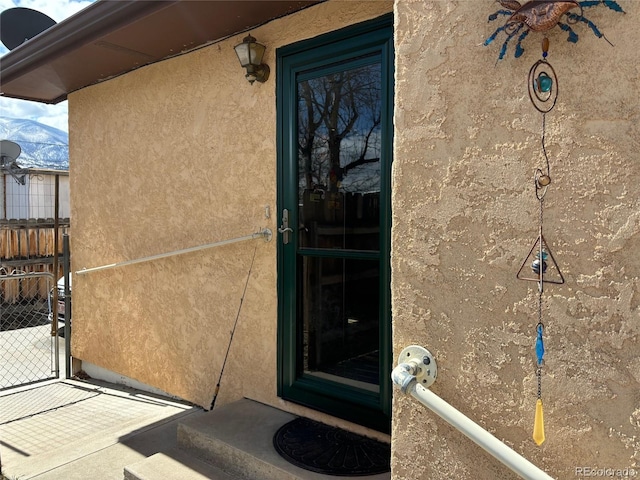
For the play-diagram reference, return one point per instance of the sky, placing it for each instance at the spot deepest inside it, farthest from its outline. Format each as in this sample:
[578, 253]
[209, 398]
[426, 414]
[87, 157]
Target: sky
[52, 115]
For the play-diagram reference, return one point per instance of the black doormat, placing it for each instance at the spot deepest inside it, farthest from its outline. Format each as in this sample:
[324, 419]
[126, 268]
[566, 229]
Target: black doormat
[329, 450]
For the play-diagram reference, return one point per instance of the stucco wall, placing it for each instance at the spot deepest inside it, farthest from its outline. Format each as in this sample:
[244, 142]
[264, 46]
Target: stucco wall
[174, 155]
[467, 143]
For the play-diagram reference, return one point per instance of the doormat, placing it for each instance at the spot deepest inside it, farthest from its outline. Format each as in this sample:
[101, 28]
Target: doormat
[329, 450]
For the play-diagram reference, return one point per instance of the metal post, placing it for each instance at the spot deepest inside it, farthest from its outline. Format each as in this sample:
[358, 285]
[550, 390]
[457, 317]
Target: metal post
[67, 304]
[56, 246]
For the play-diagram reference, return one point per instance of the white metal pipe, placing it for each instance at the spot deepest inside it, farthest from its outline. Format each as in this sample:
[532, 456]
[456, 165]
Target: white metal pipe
[468, 427]
[266, 233]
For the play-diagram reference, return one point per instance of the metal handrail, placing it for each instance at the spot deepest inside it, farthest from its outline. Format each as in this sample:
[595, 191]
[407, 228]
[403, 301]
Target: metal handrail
[416, 371]
[264, 233]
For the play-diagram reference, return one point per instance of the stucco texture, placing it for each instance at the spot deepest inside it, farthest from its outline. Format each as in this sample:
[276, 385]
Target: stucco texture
[465, 214]
[170, 156]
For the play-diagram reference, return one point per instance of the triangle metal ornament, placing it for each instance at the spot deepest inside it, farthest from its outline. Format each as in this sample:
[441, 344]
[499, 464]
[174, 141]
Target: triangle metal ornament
[542, 262]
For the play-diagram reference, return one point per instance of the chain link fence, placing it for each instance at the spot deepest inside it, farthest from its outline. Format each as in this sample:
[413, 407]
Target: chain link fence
[34, 215]
[28, 337]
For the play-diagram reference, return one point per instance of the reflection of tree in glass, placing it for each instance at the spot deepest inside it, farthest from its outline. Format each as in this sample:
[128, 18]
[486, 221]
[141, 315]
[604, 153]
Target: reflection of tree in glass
[339, 130]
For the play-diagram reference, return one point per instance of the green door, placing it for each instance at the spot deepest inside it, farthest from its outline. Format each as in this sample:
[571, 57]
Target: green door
[335, 145]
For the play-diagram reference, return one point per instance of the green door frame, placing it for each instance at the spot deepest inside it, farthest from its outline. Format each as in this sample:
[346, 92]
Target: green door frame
[374, 37]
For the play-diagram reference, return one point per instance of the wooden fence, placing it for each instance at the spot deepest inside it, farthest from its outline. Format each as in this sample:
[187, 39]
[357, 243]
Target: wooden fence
[29, 248]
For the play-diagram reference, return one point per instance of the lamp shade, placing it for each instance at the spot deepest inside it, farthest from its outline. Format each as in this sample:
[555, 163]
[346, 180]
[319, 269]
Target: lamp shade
[249, 52]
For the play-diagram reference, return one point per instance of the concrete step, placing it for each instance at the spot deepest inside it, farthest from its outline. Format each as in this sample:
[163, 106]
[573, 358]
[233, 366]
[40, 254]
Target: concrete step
[238, 438]
[174, 464]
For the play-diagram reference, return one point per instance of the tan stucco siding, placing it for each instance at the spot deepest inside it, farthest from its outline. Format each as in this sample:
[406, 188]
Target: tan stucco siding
[174, 155]
[467, 143]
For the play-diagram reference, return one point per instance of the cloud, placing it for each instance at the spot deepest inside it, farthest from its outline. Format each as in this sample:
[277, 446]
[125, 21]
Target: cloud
[53, 115]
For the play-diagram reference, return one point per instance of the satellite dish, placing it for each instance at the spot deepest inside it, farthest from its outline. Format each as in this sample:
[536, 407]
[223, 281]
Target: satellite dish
[9, 152]
[17, 25]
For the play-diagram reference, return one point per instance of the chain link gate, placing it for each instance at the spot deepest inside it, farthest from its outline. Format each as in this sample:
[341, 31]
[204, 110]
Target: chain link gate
[28, 338]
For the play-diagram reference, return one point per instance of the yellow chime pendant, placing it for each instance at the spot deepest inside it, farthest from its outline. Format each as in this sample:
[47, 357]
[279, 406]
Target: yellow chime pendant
[538, 424]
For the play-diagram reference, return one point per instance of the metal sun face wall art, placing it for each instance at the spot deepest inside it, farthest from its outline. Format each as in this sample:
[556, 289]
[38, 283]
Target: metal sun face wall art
[543, 15]
[542, 84]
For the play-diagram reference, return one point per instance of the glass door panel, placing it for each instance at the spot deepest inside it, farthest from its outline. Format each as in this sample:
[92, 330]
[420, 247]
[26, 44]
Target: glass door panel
[339, 141]
[338, 194]
[340, 308]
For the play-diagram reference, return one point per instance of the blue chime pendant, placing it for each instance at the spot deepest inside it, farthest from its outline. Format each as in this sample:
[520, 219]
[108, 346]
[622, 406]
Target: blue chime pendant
[544, 83]
[540, 344]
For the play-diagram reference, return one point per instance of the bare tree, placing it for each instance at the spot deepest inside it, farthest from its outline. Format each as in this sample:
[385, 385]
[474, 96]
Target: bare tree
[339, 115]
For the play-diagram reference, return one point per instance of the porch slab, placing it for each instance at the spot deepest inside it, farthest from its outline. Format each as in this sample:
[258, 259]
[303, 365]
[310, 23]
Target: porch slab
[174, 463]
[238, 438]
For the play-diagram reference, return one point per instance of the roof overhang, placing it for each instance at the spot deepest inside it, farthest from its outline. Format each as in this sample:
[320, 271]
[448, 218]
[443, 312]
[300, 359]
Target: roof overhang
[110, 38]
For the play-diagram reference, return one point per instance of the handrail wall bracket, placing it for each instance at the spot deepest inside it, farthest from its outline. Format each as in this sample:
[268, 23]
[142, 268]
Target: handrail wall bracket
[415, 364]
[416, 371]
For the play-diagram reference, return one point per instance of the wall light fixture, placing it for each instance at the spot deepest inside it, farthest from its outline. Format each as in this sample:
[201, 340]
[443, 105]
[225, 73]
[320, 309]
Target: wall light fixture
[250, 54]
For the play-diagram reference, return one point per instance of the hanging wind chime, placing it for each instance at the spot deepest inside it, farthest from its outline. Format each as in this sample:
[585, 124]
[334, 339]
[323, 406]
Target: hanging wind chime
[543, 92]
[540, 265]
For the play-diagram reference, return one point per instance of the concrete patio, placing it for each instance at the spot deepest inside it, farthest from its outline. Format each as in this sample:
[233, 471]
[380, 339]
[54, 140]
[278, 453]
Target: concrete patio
[76, 430]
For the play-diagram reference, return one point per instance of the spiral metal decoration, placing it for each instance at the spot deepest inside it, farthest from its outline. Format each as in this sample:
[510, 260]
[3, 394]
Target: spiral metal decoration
[543, 86]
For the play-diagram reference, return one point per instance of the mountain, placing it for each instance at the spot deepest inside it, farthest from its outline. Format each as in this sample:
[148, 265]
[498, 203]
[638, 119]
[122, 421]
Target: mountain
[42, 146]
